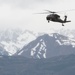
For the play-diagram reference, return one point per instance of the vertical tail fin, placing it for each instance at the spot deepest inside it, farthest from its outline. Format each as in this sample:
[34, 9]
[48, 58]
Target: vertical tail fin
[65, 18]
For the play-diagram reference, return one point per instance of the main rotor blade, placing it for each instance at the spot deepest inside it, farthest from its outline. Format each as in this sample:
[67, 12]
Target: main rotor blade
[66, 10]
[50, 11]
[60, 11]
[42, 13]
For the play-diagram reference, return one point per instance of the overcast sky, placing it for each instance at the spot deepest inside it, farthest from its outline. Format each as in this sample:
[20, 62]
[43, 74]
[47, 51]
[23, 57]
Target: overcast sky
[20, 14]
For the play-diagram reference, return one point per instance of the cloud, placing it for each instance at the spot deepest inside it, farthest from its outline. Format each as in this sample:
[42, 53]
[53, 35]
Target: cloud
[35, 3]
[19, 13]
[25, 3]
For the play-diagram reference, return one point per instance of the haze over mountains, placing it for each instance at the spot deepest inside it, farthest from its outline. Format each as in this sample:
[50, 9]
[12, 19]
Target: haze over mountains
[61, 65]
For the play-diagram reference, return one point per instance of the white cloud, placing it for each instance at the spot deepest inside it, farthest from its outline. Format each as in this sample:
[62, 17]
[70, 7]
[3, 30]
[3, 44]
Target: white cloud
[19, 13]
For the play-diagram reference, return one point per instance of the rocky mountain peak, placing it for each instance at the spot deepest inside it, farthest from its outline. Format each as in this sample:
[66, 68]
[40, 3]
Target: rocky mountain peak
[47, 46]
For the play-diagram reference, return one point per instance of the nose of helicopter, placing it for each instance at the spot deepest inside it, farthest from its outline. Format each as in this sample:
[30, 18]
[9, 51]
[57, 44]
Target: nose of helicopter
[47, 18]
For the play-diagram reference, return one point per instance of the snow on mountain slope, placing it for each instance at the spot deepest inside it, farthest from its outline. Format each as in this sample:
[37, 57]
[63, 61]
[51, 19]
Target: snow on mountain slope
[46, 46]
[25, 38]
[41, 49]
[14, 40]
[3, 51]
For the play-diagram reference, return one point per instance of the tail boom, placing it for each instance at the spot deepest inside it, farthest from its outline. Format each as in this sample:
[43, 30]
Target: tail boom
[66, 21]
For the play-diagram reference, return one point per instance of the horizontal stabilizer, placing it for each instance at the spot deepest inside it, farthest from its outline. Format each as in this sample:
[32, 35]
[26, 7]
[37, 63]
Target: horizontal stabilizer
[68, 21]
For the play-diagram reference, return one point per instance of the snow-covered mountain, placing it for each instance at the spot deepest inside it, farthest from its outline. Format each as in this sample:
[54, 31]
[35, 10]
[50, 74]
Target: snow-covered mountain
[47, 46]
[36, 45]
[13, 40]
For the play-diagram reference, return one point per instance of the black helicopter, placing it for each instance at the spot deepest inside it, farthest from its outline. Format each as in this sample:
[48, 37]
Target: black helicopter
[56, 18]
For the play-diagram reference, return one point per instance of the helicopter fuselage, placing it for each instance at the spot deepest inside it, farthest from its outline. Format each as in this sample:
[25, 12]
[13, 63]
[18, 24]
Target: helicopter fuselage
[56, 18]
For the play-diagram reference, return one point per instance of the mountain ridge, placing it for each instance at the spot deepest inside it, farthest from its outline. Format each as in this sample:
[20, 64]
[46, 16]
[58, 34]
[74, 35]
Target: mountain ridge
[47, 46]
[15, 40]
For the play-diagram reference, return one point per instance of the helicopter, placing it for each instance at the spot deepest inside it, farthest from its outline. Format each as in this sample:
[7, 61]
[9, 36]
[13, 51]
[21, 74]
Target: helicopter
[56, 18]
[53, 16]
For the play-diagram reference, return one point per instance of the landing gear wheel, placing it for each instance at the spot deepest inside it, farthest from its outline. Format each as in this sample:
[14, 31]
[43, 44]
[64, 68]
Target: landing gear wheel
[48, 21]
[62, 24]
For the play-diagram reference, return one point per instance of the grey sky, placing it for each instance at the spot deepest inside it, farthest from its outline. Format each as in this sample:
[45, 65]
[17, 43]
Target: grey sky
[24, 3]
[19, 13]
